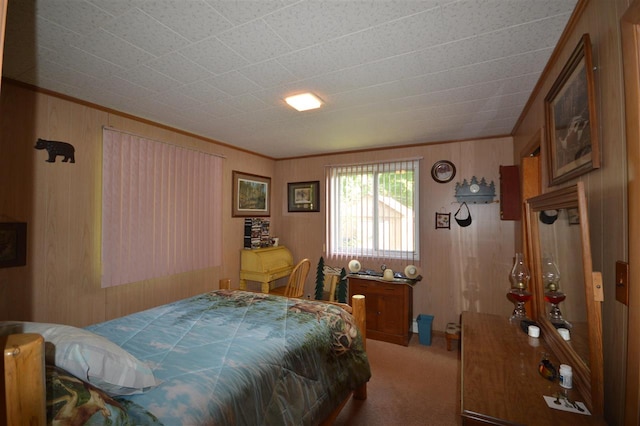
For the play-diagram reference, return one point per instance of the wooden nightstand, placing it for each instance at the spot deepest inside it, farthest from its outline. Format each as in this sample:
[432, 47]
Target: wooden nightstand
[389, 308]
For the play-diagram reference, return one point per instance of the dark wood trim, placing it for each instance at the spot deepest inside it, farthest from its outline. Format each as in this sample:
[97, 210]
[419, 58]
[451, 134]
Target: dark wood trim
[630, 34]
[387, 148]
[3, 25]
[36, 89]
[534, 145]
[215, 142]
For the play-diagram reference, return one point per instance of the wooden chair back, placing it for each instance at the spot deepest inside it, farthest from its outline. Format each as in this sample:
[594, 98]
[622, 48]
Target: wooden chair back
[330, 284]
[295, 284]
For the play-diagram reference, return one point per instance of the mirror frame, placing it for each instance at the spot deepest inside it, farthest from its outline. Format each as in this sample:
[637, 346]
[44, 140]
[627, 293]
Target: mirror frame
[587, 379]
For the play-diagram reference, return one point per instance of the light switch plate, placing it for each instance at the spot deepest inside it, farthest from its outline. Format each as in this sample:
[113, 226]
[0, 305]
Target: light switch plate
[622, 282]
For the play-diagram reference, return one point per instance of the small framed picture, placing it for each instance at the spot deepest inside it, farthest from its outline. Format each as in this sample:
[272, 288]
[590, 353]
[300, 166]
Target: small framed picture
[574, 216]
[13, 244]
[304, 196]
[443, 220]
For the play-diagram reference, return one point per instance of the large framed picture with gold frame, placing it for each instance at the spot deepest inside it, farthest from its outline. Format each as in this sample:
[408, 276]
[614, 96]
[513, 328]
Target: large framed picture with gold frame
[251, 195]
[571, 119]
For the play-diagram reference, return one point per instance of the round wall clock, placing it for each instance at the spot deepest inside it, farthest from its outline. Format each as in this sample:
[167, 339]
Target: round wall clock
[443, 171]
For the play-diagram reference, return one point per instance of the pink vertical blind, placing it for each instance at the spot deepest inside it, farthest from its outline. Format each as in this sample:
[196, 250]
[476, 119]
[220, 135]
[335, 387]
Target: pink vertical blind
[161, 209]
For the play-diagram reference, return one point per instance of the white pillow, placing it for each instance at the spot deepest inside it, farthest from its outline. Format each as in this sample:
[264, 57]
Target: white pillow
[89, 357]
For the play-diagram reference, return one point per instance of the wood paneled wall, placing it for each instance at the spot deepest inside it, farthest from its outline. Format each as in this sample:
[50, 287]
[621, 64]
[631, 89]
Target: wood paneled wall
[606, 187]
[462, 268]
[61, 202]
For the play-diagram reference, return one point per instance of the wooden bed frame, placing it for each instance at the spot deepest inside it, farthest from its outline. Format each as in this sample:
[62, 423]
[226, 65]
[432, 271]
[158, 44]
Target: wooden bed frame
[22, 386]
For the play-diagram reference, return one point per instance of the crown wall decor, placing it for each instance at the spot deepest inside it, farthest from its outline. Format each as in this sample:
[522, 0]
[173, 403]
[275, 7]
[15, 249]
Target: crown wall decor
[474, 191]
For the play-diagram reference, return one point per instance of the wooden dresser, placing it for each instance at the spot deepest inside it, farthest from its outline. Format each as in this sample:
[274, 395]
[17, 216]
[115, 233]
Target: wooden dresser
[500, 380]
[264, 265]
[389, 308]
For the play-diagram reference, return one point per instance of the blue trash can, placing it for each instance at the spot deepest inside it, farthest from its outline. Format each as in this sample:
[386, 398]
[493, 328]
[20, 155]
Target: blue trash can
[424, 329]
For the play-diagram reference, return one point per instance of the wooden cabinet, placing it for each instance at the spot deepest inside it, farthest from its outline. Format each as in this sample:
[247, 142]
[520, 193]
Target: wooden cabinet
[500, 380]
[389, 308]
[510, 202]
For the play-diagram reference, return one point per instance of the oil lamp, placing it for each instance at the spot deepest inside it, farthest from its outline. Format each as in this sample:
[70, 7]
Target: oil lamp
[552, 293]
[518, 292]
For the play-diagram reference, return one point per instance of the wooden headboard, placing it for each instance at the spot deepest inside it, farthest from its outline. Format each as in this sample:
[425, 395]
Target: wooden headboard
[23, 387]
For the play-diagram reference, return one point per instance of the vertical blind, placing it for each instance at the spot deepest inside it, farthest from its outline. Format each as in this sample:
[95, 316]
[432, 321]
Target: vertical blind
[161, 209]
[373, 210]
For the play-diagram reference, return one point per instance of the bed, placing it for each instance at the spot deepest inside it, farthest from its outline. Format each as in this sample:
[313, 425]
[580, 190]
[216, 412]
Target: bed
[224, 357]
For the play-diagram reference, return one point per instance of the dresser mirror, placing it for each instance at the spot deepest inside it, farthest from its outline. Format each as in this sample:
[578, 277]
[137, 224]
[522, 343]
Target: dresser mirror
[567, 293]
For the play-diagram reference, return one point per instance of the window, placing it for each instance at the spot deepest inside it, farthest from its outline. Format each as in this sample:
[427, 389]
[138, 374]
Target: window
[373, 210]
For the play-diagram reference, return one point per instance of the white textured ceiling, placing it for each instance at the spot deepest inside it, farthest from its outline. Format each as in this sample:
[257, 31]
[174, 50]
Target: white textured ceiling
[391, 72]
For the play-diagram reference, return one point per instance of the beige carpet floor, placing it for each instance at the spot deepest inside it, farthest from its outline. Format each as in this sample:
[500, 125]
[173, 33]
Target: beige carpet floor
[414, 385]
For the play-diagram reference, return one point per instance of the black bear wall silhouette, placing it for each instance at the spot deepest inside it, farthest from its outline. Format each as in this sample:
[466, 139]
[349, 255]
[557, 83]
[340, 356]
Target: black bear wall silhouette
[55, 148]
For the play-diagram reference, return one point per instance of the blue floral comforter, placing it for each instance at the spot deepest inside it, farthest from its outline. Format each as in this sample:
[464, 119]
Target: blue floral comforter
[234, 358]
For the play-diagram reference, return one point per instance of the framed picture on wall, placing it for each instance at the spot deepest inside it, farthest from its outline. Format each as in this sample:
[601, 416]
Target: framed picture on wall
[574, 216]
[571, 119]
[304, 196]
[13, 244]
[443, 220]
[251, 195]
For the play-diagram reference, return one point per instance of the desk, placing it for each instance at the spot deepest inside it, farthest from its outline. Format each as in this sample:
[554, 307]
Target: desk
[265, 266]
[500, 380]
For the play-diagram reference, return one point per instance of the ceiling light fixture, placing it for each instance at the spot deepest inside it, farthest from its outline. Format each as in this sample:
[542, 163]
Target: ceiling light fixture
[304, 101]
